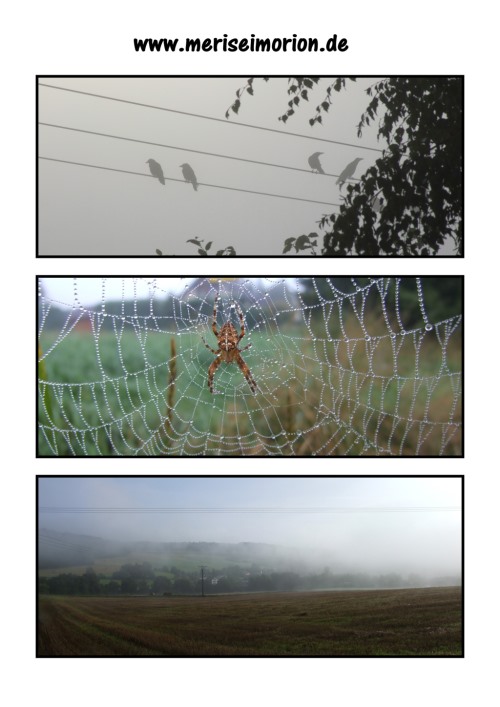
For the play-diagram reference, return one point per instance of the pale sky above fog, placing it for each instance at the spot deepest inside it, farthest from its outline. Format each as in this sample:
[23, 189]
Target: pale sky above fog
[86, 211]
[92, 290]
[428, 541]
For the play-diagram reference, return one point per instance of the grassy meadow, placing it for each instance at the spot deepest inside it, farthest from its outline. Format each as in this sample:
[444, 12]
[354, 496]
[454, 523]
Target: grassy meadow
[397, 622]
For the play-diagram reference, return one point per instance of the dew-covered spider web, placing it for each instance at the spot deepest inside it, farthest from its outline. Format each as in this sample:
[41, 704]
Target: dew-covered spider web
[362, 366]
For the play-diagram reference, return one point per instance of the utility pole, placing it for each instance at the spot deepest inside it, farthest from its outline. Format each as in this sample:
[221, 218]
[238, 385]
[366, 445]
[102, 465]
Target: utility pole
[202, 581]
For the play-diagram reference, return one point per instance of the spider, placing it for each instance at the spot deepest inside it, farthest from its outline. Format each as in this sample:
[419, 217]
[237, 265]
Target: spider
[228, 351]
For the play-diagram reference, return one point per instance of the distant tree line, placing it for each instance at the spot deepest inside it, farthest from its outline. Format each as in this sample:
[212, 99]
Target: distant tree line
[141, 579]
[442, 296]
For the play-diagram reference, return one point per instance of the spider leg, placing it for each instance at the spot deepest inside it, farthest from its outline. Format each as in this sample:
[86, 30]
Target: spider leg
[246, 372]
[242, 322]
[216, 353]
[246, 347]
[211, 372]
[214, 321]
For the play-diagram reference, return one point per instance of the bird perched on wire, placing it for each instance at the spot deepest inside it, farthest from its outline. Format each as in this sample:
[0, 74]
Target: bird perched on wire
[315, 164]
[189, 175]
[156, 170]
[348, 171]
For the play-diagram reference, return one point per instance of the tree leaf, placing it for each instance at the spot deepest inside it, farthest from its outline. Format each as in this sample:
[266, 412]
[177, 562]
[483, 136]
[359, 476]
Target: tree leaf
[302, 243]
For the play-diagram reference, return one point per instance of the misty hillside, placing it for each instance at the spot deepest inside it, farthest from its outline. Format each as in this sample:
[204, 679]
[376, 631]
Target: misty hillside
[98, 566]
[61, 549]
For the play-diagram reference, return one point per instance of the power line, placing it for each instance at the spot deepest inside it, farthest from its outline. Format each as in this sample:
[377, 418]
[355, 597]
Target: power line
[187, 149]
[202, 184]
[243, 510]
[208, 117]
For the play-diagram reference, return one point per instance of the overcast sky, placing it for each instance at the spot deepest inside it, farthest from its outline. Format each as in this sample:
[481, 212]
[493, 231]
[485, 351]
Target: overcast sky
[376, 540]
[92, 290]
[88, 211]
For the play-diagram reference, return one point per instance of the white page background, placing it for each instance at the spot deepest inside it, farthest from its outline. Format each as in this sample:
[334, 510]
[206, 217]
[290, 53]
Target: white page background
[384, 38]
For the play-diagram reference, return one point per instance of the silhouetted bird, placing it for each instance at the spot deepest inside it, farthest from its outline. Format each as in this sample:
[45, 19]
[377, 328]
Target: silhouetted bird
[189, 175]
[315, 164]
[348, 172]
[156, 170]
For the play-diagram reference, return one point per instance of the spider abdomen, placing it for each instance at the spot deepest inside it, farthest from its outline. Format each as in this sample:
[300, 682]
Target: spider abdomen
[228, 337]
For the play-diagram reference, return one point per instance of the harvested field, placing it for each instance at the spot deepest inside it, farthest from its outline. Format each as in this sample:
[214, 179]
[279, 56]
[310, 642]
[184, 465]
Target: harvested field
[398, 622]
